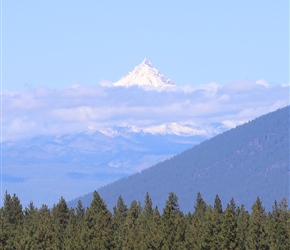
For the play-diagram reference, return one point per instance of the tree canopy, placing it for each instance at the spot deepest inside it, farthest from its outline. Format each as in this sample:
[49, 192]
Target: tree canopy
[143, 227]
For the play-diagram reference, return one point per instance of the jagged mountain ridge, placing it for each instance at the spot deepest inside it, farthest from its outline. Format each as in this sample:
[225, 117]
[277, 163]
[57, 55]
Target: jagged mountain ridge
[243, 163]
[144, 74]
[173, 128]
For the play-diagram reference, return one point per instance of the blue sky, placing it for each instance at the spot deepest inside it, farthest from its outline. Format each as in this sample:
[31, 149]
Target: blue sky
[58, 43]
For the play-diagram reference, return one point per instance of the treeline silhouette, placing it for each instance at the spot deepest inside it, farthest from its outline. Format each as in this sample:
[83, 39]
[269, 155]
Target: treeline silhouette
[143, 227]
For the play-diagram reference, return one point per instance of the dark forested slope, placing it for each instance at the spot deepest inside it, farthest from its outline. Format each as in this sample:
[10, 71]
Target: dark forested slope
[243, 163]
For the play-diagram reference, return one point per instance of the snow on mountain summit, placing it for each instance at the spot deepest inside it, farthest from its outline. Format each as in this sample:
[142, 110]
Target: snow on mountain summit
[144, 75]
[181, 129]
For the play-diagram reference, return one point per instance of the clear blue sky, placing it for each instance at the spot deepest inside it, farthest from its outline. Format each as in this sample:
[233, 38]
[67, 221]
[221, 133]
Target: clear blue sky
[56, 43]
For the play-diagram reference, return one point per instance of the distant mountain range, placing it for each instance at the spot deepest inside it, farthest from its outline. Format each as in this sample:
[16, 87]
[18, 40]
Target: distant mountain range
[242, 163]
[128, 148]
[92, 158]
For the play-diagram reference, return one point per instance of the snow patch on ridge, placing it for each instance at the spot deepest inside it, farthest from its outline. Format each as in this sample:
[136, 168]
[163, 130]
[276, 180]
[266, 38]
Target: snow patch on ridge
[183, 129]
[176, 129]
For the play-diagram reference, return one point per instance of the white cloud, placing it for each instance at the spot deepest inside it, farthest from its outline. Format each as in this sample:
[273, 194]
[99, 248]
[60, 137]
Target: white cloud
[232, 124]
[286, 85]
[262, 82]
[245, 86]
[105, 83]
[56, 111]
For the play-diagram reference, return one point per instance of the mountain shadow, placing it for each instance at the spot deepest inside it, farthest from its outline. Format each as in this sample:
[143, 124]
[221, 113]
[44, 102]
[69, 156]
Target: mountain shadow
[245, 162]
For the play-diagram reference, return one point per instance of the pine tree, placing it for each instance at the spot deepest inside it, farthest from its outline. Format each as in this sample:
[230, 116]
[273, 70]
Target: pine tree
[218, 205]
[233, 205]
[179, 242]
[6, 233]
[200, 205]
[194, 235]
[148, 210]
[45, 236]
[258, 236]
[98, 230]
[80, 211]
[170, 213]
[12, 222]
[120, 211]
[60, 216]
[29, 226]
[242, 227]
[144, 225]
[132, 223]
[279, 226]
[215, 222]
[229, 230]
[155, 234]
[12, 210]
[119, 218]
[73, 232]
[60, 212]
[206, 239]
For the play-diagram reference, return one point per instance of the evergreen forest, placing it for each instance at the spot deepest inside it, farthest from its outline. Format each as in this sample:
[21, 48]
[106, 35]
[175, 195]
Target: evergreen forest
[144, 227]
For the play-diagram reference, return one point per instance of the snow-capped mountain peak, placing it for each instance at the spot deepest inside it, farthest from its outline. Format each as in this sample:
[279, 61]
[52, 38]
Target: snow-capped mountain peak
[147, 62]
[144, 75]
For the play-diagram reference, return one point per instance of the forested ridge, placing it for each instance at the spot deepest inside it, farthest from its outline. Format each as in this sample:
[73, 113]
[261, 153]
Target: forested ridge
[252, 159]
[144, 227]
